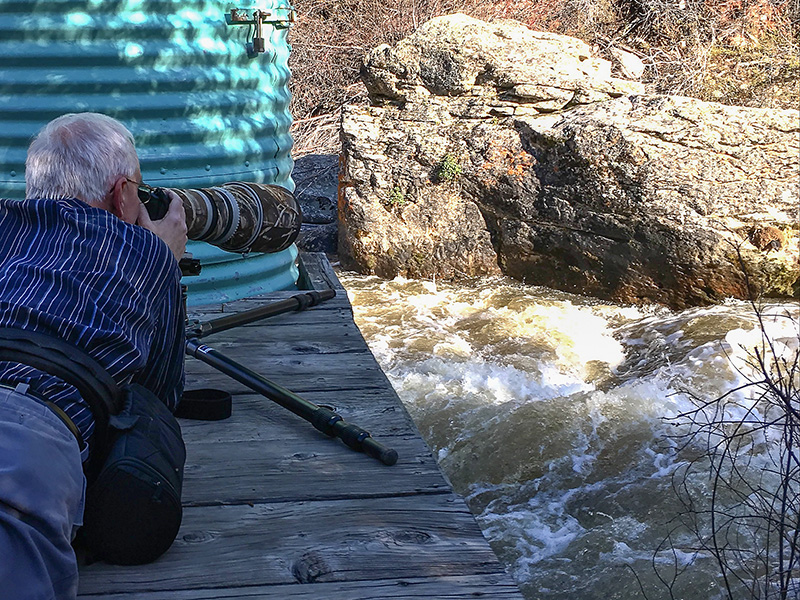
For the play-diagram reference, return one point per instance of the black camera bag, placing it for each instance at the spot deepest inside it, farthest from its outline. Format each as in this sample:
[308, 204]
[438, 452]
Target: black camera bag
[133, 507]
[135, 468]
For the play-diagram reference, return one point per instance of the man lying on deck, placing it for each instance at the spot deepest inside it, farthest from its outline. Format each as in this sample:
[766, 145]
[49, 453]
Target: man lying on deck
[81, 261]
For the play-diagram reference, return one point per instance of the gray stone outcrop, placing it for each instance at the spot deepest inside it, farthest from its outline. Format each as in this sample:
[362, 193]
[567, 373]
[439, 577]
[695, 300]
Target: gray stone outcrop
[492, 148]
[316, 181]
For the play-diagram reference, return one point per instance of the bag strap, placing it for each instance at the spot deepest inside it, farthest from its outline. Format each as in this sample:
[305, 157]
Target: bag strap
[70, 364]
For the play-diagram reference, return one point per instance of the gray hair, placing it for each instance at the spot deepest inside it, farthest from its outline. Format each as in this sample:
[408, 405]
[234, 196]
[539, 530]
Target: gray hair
[79, 156]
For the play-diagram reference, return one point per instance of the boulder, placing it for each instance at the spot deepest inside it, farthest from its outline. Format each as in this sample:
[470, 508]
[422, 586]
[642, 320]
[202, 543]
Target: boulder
[315, 237]
[499, 68]
[493, 148]
[316, 178]
[628, 63]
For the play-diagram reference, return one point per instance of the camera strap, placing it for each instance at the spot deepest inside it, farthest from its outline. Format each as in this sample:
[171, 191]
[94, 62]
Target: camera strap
[74, 367]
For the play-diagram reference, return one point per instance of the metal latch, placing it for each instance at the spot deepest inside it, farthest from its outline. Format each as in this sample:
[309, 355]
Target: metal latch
[279, 17]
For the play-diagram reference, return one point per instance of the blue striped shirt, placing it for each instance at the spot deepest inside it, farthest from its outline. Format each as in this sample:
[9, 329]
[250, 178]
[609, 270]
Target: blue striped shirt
[112, 289]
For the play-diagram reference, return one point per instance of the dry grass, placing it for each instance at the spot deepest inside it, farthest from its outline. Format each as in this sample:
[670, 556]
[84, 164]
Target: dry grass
[330, 38]
[733, 51]
[741, 52]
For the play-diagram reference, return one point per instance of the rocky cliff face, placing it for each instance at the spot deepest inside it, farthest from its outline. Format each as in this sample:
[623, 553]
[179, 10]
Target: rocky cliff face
[493, 148]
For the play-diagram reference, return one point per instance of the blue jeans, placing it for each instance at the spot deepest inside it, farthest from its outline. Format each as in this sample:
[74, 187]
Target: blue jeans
[41, 501]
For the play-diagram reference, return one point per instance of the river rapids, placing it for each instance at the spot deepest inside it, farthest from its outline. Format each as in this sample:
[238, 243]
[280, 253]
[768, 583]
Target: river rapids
[555, 416]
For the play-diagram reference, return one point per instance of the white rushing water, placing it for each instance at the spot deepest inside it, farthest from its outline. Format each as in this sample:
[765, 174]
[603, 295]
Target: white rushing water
[547, 412]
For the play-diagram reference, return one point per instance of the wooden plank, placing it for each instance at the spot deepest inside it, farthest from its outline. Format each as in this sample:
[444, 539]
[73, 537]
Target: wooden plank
[280, 470]
[468, 587]
[212, 311]
[299, 373]
[271, 544]
[285, 339]
[316, 271]
[255, 418]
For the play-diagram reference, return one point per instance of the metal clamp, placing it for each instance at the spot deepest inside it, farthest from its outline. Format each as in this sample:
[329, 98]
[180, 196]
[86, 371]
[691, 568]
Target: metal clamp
[279, 17]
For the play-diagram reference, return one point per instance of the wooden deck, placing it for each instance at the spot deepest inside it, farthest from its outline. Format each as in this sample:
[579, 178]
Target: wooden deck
[275, 509]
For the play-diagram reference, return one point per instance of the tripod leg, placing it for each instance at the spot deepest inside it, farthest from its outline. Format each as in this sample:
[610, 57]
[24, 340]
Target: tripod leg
[324, 419]
[293, 303]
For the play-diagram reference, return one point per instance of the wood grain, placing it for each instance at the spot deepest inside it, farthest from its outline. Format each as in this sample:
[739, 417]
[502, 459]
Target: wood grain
[468, 587]
[308, 542]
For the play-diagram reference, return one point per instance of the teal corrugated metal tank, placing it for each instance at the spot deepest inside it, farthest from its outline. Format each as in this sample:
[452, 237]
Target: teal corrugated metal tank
[179, 77]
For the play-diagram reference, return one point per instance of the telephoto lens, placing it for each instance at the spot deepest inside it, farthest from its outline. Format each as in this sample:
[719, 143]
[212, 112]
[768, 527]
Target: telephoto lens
[237, 216]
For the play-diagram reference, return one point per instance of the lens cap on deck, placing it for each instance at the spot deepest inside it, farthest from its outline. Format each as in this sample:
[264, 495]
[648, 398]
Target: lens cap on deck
[204, 405]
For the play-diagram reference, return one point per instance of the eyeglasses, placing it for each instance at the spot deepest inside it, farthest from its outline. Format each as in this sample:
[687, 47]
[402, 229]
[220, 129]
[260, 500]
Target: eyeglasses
[145, 192]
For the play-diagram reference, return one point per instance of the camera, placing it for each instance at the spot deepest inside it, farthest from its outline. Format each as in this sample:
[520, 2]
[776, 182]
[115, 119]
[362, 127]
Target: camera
[237, 216]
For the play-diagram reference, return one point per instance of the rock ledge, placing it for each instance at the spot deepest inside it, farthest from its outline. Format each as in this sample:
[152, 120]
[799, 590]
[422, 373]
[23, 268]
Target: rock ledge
[493, 148]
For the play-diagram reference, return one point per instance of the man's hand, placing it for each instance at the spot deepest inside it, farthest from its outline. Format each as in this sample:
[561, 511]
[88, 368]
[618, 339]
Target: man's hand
[172, 228]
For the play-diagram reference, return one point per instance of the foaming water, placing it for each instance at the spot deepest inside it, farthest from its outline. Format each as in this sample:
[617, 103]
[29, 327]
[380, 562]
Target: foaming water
[549, 411]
